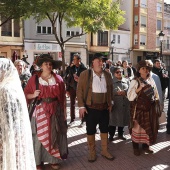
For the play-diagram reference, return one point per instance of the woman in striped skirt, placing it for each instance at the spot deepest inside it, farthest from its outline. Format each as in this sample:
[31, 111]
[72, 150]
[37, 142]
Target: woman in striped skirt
[49, 128]
[142, 93]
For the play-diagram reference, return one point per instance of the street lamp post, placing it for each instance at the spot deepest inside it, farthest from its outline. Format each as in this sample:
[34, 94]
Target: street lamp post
[161, 37]
[112, 47]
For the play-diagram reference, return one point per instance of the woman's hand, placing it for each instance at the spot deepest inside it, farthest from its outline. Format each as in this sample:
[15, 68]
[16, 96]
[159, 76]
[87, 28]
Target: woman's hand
[121, 93]
[36, 93]
[140, 87]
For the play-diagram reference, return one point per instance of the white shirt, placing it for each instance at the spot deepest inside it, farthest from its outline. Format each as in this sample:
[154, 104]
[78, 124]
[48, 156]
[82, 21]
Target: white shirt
[131, 94]
[99, 83]
[51, 81]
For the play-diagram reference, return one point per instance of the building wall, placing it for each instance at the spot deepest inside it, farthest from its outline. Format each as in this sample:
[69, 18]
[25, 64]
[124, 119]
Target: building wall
[32, 38]
[9, 44]
[151, 25]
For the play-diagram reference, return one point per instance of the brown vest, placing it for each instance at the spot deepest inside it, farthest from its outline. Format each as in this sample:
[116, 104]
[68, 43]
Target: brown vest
[99, 98]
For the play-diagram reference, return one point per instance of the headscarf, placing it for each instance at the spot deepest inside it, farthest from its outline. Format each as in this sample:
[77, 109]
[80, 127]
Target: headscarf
[16, 148]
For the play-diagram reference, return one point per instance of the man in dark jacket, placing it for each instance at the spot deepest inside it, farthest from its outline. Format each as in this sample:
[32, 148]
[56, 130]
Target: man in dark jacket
[71, 83]
[162, 73]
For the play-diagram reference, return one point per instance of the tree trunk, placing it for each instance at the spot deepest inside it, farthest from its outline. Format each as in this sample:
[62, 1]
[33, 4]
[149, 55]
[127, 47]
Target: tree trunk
[63, 59]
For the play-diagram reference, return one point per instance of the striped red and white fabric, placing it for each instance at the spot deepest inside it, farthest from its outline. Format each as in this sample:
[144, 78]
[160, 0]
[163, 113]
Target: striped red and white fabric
[139, 134]
[43, 131]
[141, 137]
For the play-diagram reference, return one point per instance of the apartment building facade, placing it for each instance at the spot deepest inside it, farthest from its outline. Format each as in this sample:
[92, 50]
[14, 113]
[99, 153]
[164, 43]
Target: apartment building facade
[147, 24]
[39, 39]
[11, 39]
[166, 43]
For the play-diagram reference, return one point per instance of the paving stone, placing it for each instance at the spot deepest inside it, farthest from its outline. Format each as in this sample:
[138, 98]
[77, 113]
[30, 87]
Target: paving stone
[122, 150]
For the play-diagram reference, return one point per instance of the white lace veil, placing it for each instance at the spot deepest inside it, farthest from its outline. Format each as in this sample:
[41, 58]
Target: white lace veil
[16, 148]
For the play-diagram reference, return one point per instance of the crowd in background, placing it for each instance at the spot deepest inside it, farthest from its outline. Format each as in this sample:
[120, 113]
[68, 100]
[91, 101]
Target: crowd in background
[114, 95]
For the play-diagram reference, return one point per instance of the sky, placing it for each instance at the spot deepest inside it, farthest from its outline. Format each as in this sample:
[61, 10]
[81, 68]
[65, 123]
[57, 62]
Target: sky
[167, 1]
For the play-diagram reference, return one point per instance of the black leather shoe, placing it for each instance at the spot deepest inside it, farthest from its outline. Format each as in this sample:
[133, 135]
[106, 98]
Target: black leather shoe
[111, 138]
[82, 124]
[168, 131]
[71, 123]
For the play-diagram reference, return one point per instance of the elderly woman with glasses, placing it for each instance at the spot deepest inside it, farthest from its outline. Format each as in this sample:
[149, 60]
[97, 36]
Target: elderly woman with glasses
[23, 74]
[119, 117]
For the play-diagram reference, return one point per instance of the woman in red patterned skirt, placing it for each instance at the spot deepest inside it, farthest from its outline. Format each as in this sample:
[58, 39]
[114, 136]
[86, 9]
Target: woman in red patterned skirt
[142, 93]
[49, 128]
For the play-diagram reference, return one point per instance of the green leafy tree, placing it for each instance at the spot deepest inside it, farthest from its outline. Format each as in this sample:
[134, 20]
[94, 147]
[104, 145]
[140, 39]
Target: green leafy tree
[14, 9]
[89, 15]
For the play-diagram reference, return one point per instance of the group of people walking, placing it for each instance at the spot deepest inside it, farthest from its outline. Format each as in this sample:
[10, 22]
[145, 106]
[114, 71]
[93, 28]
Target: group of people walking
[111, 98]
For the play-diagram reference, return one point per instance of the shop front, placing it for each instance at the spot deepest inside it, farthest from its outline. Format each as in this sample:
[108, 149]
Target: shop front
[32, 50]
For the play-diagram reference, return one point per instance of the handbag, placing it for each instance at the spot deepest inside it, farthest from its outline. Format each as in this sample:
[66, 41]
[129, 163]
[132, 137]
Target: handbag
[34, 102]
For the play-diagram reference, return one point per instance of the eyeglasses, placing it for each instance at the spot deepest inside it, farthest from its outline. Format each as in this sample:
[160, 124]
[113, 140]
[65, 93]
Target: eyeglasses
[117, 72]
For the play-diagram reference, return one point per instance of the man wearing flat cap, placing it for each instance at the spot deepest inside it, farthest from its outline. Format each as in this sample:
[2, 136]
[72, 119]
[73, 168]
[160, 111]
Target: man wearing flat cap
[94, 94]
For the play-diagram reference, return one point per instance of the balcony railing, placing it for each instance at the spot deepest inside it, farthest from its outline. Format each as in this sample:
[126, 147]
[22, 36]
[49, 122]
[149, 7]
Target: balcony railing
[16, 34]
[102, 43]
[6, 33]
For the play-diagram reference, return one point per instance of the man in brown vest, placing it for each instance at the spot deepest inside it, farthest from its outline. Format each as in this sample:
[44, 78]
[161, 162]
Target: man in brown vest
[94, 94]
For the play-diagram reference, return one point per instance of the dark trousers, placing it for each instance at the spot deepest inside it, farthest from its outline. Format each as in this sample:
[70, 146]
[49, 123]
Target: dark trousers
[72, 103]
[112, 130]
[168, 119]
[95, 117]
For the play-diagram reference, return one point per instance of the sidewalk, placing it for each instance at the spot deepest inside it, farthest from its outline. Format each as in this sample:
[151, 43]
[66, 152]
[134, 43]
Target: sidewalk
[122, 150]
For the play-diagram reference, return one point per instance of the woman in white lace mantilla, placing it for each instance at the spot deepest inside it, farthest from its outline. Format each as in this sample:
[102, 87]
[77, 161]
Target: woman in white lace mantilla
[16, 148]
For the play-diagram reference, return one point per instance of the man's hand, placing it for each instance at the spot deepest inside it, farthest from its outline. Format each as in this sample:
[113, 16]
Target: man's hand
[76, 78]
[82, 112]
[110, 108]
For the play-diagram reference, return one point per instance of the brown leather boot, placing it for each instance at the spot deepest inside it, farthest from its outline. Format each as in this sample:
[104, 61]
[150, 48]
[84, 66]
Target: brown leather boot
[136, 150]
[104, 143]
[146, 148]
[91, 147]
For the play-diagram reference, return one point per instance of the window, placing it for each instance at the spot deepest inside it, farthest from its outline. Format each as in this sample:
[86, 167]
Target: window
[143, 3]
[16, 28]
[72, 33]
[168, 44]
[6, 29]
[159, 7]
[39, 29]
[118, 39]
[68, 33]
[102, 38]
[114, 38]
[136, 20]
[143, 21]
[136, 3]
[135, 39]
[157, 42]
[77, 33]
[168, 25]
[159, 25]
[142, 39]
[49, 31]
[44, 30]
